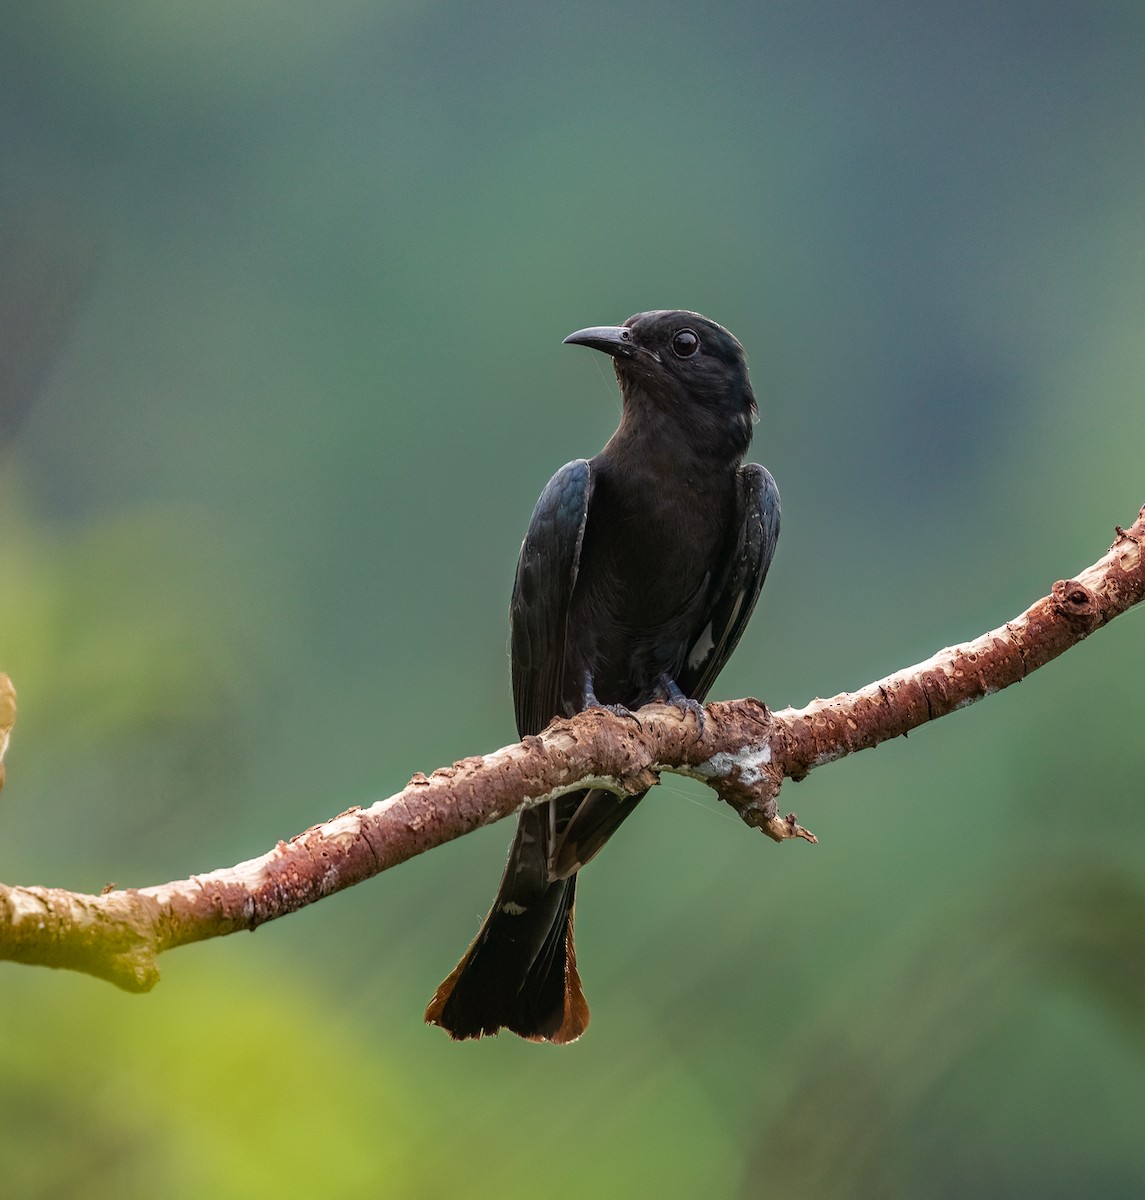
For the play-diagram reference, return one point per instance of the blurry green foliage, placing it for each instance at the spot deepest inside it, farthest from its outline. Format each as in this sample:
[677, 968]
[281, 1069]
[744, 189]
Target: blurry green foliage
[258, 527]
[227, 1087]
[878, 1062]
[108, 626]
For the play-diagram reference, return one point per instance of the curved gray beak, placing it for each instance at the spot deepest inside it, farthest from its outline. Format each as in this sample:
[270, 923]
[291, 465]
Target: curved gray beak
[612, 339]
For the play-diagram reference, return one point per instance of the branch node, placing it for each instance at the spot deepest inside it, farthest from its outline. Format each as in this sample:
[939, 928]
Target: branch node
[782, 829]
[1074, 600]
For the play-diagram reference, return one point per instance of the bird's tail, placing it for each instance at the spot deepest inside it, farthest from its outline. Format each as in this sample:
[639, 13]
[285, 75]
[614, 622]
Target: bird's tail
[520, 972]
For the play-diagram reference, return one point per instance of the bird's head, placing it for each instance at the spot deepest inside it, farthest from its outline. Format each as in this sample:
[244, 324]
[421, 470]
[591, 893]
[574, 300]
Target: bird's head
[684, 366]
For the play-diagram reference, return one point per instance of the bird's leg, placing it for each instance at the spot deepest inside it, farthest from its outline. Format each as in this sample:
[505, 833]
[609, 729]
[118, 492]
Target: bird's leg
[676, 698]
[591, 701]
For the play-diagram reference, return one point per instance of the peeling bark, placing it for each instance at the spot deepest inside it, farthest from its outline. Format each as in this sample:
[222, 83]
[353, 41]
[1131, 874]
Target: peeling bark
[744, 752]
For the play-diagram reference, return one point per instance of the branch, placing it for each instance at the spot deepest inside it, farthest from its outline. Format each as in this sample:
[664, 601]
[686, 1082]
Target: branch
[744, 752]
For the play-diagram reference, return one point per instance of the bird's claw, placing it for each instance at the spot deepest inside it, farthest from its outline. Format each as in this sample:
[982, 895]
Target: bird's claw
[689, 705]
[617, 710]
[686, 704]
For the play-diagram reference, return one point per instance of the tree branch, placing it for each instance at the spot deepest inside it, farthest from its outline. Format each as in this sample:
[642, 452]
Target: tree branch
[744, 752]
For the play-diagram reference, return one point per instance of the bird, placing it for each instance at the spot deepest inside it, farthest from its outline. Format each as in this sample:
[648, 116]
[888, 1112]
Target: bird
[635, 581]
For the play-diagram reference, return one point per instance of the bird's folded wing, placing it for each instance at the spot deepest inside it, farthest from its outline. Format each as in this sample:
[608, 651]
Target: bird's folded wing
[735, 595]
[542, 591]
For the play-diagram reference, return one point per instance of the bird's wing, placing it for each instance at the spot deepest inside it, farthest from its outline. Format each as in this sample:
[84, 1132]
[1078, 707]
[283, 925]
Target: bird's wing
[739, 589]
[542, 591]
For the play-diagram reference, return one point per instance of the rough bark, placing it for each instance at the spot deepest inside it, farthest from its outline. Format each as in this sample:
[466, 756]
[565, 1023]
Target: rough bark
[744, 751]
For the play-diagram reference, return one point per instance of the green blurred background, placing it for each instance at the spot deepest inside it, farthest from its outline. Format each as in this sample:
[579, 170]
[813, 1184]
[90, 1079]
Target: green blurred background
[282, 292]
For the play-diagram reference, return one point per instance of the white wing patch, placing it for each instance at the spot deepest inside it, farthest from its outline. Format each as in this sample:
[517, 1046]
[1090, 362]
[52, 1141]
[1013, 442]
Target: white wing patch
[703, 647]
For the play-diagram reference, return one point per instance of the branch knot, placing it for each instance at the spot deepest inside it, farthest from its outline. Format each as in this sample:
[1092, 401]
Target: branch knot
[1074, 600]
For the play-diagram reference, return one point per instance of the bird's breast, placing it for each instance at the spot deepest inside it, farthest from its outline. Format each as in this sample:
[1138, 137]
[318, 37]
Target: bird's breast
[650, 552]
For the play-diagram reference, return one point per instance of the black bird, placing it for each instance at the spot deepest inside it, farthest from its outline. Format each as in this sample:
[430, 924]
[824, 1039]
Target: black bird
[636, 579]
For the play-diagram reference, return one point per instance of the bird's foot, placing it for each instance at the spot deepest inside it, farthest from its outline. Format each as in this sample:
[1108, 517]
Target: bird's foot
[591, 700]
[686, 704]
[617, 710]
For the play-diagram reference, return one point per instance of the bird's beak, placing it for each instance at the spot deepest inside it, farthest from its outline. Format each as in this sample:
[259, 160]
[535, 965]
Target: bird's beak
[612, 339]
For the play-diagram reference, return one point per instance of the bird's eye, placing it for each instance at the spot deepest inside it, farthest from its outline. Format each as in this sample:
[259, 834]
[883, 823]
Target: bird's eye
[684, 343]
